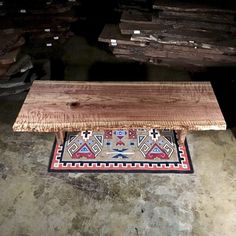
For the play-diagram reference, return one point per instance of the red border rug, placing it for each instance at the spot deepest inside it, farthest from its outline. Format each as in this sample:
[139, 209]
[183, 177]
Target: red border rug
[124, 150]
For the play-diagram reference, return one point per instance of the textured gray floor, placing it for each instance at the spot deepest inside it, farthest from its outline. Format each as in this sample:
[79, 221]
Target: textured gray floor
[35, 202]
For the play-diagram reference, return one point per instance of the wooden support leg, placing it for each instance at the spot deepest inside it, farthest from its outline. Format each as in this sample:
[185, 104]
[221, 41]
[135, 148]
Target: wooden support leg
[182, 135]
[60, 136]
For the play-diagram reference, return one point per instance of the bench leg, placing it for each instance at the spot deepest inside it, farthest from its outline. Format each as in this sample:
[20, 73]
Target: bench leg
[182, 135]
[60, 136]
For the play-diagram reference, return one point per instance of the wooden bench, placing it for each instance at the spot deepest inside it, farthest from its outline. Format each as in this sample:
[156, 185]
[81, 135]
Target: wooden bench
[59, 106]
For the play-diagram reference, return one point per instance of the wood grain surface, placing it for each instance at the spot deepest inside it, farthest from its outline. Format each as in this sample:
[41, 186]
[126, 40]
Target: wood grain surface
[52, 106]
[175, 5]
[176, 53]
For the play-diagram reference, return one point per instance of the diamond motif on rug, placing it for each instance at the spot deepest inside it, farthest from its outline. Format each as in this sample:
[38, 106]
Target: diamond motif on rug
[122, 150]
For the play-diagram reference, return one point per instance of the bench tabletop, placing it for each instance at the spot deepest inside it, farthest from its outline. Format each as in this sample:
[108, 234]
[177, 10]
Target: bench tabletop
[52, 106]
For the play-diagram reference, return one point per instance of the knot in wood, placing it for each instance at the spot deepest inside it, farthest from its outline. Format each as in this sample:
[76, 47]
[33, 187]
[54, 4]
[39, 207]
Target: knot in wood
[73, 105]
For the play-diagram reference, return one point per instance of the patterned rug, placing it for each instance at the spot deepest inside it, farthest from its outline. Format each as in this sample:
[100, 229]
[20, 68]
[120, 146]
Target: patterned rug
[131, 150]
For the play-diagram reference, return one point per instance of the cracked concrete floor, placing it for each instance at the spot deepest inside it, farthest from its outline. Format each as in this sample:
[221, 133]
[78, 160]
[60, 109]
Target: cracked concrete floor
[35, 202]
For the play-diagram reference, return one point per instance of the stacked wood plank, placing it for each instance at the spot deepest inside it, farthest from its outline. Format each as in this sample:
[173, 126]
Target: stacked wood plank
[10, 44]
[175, 34]
[19, 76]
[16, 68]
[40, 24]
[47, 21]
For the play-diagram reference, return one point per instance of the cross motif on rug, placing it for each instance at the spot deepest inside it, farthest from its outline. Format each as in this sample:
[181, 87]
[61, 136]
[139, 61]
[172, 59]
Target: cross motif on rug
[86, 134]
[154, 134]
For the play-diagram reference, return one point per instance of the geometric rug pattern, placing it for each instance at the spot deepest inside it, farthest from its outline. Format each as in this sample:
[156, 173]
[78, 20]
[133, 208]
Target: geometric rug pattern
[121, 150]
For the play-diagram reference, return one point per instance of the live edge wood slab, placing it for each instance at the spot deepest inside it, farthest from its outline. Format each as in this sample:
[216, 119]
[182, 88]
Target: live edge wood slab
[58, 106]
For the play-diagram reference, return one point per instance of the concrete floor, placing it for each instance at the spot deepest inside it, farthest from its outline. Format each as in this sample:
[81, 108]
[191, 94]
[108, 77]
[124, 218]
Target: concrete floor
[35, 202]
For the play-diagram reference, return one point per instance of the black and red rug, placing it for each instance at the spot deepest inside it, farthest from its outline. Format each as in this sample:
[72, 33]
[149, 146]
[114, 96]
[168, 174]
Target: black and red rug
[124, 150]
